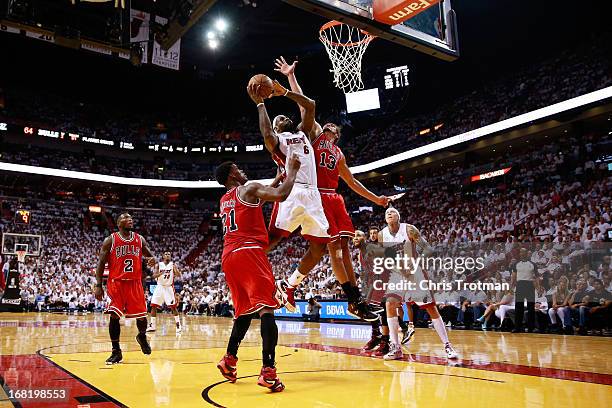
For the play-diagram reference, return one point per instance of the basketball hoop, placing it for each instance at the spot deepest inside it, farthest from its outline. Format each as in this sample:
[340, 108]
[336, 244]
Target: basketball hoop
[21, 255]
[345, 46]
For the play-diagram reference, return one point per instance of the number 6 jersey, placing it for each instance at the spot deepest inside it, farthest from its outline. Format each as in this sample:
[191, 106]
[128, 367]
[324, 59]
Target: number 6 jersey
[125, 257]
[243, 223]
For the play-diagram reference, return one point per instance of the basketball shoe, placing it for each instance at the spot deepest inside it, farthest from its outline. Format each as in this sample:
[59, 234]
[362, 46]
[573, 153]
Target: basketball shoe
[383, 347]
[450, 351]
[361, 311]
[141, 338]
[227, 366]
[395, 352]
[269, 379]
[115, 357]
[151, 327]
[408, 334]
[372, 343]
[288, 295]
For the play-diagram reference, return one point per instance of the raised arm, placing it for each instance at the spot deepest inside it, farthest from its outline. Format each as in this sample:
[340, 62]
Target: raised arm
[102, 259]
[356, 186]
[289, 71]
[265, 126]
[254, 191]
[309, 105]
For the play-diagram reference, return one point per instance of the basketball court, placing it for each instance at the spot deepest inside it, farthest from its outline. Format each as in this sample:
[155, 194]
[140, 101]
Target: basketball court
[321, 365]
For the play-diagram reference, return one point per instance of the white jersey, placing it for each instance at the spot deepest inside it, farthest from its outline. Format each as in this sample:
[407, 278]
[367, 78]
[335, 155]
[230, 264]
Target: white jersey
[167, 276]
[299, 144]
[400, 237]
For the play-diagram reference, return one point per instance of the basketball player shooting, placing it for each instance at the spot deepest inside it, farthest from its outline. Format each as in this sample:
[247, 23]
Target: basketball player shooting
[412, 244]
[164, 273]
[330, 166]
[303, 207]
[123, 251]
[246, 266]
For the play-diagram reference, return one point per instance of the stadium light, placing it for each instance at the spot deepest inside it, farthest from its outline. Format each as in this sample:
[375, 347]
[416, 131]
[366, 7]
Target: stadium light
[211, 35]
[213, 44]
[221, 25]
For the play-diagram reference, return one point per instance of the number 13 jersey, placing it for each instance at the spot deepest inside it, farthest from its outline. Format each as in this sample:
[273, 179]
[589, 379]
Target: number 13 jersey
[125, 257]
[243, 223]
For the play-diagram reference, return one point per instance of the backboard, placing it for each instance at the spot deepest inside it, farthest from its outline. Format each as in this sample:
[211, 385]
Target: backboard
[434, 31]
[12, 242]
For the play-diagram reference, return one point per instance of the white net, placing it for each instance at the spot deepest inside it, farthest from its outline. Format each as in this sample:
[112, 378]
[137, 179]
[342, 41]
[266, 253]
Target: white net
[345, 46]
[21, 256]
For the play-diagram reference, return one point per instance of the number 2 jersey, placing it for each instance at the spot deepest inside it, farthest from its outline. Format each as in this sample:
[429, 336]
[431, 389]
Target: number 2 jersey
[125, 257]
[243, 223]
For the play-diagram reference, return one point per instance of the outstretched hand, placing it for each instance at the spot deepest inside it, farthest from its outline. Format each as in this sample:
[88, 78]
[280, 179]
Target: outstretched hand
[283, 67]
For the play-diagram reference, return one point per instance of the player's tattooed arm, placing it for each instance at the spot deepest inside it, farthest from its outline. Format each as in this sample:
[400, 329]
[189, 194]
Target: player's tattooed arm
[151, 262]
[356, 186]
[414, 234]
[156, 272]
[309, 106]
[103, 258]
[254, 191]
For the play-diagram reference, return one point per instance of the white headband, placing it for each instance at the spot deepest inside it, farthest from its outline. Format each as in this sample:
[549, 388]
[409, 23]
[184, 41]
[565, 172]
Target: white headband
[392, 209]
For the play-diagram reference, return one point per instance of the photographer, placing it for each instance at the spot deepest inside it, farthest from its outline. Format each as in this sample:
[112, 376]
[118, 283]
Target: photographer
[313, 312]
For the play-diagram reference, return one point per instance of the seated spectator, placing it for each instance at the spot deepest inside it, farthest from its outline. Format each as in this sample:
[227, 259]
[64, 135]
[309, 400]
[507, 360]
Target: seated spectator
[541, 310]
[560, 306]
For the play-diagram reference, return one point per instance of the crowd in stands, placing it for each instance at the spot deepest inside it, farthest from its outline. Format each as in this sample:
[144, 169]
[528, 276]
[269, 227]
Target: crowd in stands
[568, 75]
[556, 196]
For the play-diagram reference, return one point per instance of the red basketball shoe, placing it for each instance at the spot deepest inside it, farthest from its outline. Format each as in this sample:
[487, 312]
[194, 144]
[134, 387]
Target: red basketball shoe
[227, 366]
[289, 292]
[269, 379]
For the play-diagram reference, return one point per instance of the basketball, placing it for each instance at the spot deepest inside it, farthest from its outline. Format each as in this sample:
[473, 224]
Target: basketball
[265, 85]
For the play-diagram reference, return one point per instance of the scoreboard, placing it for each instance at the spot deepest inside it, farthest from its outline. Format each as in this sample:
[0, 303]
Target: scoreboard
[22, 217]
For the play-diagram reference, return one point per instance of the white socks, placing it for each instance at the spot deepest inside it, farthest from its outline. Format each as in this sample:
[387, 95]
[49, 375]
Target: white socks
[438, 324]
[177, 319]
[153, 321]
[393, 329]
[295, 279]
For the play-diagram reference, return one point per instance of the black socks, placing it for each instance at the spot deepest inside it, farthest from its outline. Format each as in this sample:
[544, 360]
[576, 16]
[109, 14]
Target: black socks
[269, 335]
[241, 326]
[114, 330]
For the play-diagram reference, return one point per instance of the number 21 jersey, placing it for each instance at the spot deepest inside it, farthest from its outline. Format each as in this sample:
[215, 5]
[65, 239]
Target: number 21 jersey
[243, 223]
[125, 258]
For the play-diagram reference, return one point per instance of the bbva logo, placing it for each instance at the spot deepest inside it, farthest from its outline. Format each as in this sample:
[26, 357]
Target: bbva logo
[335, 309]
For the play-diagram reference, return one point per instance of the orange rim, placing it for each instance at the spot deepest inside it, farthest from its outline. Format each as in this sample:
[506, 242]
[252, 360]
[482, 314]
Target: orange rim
[368, 37]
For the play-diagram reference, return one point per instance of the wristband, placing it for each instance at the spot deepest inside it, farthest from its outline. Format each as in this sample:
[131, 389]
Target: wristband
[260, 103]
[286, 92]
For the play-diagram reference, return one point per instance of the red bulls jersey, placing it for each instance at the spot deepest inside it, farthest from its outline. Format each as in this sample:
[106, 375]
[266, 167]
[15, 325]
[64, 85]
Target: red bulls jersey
[125, 258]
[243, 223]
[327, 156]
